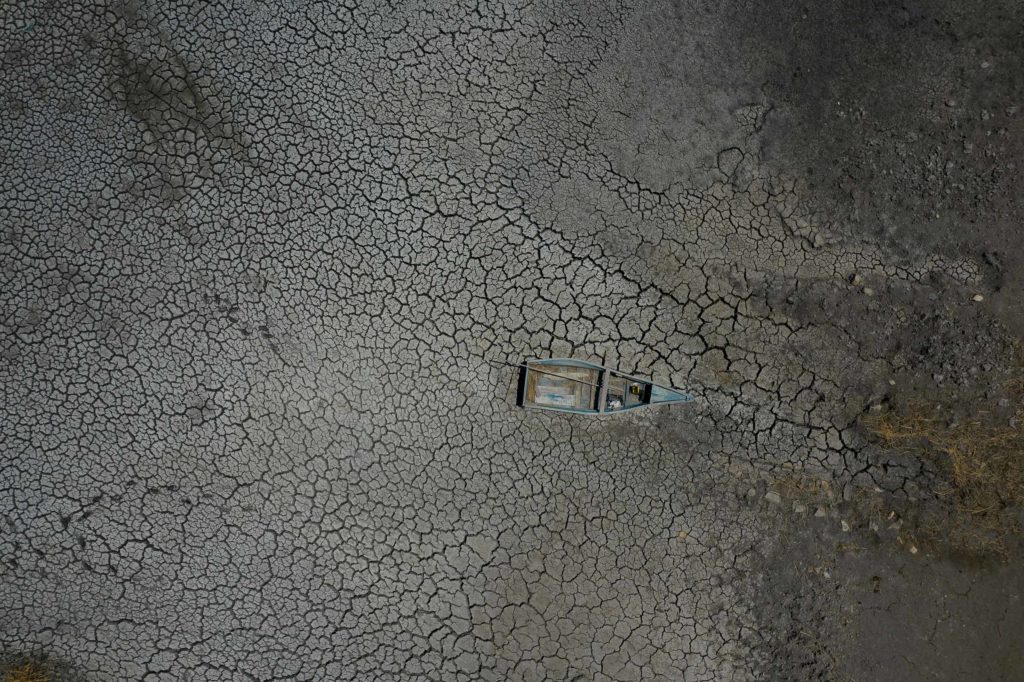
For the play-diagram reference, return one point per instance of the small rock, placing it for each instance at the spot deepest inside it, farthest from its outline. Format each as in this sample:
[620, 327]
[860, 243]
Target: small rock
[868, 291]
[950, 102]
[846, 526]
[820, 512]
[773, 497]
[1004, 402]
[856, 280]
[892, 382]
[799, 508]
[978, 298]
[986, 64]
[913, 549]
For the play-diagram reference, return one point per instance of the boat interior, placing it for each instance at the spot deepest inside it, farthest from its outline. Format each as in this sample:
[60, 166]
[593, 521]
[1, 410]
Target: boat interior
[579, 386]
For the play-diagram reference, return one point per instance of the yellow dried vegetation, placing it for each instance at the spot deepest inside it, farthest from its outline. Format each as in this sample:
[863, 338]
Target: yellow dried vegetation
[27, 672]
[985, 463]
[982, 464]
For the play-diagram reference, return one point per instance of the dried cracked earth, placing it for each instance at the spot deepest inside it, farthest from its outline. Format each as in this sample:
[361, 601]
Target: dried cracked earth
[262, 264]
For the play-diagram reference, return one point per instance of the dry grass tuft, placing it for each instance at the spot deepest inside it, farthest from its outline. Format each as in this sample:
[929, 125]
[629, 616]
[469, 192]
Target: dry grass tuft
[985, 463]
[982, 462]
[806, 489]
[27, 672]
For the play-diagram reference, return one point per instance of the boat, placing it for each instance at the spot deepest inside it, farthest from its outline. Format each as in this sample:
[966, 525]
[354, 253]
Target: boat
[568, 385]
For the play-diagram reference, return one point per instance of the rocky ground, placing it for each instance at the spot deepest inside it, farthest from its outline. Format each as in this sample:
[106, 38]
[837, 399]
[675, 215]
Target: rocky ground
[262, 262]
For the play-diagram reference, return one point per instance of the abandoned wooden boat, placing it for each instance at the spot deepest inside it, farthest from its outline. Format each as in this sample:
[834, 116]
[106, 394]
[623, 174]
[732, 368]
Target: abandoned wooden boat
[567, 385]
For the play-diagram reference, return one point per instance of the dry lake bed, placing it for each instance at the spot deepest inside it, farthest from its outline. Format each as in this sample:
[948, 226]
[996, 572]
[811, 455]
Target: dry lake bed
[267, 270]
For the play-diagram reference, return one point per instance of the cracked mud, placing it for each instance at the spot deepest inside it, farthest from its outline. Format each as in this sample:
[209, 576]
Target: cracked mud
[259, 262]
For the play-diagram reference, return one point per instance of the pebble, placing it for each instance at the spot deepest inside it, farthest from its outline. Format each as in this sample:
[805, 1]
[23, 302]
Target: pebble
[820, 512]
[913, 549]
[868, 291]
[773, 497]
[846, 526]
[856, 280]
[799, 508]
[978, 298]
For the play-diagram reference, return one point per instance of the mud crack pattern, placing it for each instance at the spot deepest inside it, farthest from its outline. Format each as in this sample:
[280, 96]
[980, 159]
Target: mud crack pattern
[256, 279]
